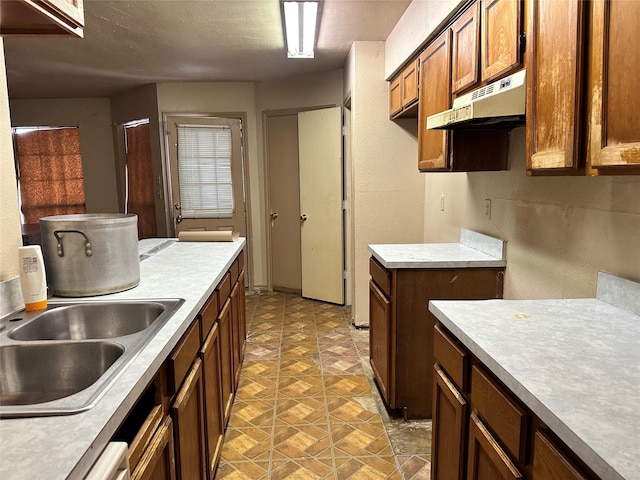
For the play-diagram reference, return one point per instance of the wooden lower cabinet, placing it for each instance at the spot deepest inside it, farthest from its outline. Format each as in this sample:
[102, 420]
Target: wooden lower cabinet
[187, 412]
[176, 428]
[401, 328]
[487, 460]
[481, 431]
[158, 461]
[449, 429]
[214, 420]
[226, 359]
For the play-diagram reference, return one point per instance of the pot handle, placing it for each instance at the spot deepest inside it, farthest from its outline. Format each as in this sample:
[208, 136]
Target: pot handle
[88, 249]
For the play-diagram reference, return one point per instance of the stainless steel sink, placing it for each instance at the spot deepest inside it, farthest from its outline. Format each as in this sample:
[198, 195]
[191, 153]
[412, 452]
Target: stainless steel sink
[63, 360]
[90, 321]
[41, 373]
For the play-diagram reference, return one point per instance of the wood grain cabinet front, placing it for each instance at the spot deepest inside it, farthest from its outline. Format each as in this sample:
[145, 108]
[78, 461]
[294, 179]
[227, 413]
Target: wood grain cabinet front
[41, 18]
[401, 328]
[403, 92]
[583, 84]
[484, 432]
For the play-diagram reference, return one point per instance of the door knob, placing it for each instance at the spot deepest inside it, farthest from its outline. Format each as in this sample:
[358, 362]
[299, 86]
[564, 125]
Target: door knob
[274, 215]
[303, 218]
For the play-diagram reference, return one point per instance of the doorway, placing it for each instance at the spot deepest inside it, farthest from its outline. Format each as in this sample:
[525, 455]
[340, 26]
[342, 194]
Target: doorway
[305, 203]
[206, 174]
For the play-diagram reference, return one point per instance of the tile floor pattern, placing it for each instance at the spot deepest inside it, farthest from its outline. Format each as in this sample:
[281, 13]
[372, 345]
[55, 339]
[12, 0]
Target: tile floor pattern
[306, 407]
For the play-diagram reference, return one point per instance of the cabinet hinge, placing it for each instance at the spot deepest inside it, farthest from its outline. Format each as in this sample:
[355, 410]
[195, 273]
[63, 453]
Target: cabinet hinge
[523, 42]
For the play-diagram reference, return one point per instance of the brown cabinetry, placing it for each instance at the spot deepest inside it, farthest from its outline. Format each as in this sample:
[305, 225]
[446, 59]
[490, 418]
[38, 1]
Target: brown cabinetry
[403, 92]
[486, 43]
[571, 45]
[401, 328]
[482, 431]
[41, 17]
[176, 429]
[435, 96]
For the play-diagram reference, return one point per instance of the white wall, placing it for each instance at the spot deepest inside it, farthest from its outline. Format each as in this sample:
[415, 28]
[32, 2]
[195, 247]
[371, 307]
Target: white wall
[417, 23]
[387, 204]
[93, 116]
[9, 216]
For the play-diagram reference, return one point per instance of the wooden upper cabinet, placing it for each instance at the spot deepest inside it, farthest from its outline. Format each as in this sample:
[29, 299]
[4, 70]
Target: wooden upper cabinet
[435, 96]
[41, 17]
[465, 49]
[395, 97]
[501, 31]
[554, 94]
[403, 92]
[614, 85]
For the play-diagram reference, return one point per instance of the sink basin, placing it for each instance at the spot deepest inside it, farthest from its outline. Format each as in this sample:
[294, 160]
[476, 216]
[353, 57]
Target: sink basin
[62, 360]
[90, 321]
[41, 373]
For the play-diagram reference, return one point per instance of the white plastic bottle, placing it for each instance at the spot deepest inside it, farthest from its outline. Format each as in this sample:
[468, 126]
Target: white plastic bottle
[33, 278]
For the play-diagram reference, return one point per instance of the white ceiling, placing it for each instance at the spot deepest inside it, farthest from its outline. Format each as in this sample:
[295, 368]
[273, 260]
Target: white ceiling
[135, 42]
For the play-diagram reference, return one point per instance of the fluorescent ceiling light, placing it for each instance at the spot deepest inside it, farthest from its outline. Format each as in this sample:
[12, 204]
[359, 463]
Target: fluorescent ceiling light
[300, 27]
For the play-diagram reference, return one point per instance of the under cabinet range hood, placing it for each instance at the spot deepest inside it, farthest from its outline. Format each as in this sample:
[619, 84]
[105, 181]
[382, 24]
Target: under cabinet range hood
[499, 103]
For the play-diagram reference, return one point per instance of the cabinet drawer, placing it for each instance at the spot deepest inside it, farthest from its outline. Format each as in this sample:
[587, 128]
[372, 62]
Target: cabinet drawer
[549, 463]
[183, 356]
[209, 314]
[241, 260]
[451, 357]
[224, 289]
[381, 276]
[500, 411]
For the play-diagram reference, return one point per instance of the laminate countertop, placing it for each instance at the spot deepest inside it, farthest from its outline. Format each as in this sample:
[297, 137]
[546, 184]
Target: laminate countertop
[64, 447]
[574, 362]
[473, 250]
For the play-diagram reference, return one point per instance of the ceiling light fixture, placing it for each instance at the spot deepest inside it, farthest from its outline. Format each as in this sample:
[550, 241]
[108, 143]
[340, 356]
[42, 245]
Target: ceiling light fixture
[300, 27]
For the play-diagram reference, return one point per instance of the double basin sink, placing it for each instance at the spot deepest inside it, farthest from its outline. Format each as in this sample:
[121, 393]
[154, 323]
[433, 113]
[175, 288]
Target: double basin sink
[62, 360]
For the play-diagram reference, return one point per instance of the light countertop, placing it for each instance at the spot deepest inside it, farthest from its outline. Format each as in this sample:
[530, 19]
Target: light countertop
[574, 362]
[473, 250]
[66, 446]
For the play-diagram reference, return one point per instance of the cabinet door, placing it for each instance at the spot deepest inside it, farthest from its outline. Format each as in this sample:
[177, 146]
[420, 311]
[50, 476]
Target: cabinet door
[449, 428]
[226, 359]
[158, 461]
[554, 87]
[549, 463]
[614, 83]
[242, 321]
[235, 333]
[188, 414]
[435, 96]
[380, 340]
[211, 370]
[465, 47]
[500, 37]
[395, 96]
[486, 459]
[42, 17]
[409, 82]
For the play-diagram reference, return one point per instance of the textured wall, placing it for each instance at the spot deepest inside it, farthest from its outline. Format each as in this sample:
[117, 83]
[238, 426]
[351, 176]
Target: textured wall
[9, 216]
[93, 116]
[560, 231]
[387, 204]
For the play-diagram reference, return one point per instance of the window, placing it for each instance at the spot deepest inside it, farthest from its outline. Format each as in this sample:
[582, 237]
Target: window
[204, 171]
[49, 171]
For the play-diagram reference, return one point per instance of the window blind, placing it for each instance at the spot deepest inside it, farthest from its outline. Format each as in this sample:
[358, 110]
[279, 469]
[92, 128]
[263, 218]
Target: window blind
[204, 171]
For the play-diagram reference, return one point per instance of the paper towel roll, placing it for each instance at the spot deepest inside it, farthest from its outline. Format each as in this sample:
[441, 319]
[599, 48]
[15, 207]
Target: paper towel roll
[208, 236]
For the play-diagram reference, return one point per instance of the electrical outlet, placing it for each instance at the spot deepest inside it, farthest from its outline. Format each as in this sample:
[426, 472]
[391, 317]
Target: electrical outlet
[442, 203]
[487, 208]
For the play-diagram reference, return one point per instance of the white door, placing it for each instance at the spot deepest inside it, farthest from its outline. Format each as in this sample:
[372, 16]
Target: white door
[320, 158]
